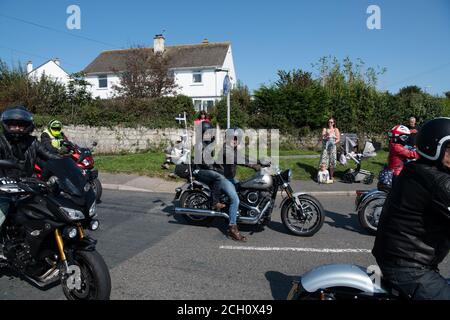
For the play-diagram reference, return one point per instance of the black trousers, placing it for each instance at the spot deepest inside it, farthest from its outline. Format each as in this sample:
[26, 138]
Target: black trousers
[421, 283]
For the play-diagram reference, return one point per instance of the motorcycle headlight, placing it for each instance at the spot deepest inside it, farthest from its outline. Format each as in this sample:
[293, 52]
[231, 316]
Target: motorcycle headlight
[72, 214]
[86, 162]
[93, 209]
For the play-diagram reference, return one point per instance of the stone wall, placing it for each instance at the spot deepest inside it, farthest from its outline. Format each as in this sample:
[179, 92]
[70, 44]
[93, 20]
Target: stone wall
[119, 139]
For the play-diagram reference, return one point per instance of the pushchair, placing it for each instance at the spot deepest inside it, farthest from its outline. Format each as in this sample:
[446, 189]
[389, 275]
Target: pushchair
[350, 151]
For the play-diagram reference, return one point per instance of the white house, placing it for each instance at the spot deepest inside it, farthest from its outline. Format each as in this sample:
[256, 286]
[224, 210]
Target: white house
[199, 70]
[51, 68]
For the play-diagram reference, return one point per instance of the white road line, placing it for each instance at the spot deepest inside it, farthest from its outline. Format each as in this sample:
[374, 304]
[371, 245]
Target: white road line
[321, 250]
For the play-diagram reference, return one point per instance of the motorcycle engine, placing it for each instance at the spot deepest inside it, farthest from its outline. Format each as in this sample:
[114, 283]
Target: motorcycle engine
[18, 253]
[253, 199]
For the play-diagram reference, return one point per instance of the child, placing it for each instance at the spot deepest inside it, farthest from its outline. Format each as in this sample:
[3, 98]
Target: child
[323, 176]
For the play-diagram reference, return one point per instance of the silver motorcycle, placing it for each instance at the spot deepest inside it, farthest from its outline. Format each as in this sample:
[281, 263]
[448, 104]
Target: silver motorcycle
[343, 281]
[301, 214]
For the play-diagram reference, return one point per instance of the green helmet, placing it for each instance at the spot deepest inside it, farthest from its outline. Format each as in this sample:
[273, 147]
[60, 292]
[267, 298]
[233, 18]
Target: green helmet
[55, 127]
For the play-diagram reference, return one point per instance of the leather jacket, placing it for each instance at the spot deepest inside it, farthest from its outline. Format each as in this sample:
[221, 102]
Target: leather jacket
[398, 154]
[25, 151]
[414, 228]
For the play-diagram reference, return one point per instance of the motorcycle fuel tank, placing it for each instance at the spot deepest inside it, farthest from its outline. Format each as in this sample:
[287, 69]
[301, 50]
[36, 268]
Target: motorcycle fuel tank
[258, 182]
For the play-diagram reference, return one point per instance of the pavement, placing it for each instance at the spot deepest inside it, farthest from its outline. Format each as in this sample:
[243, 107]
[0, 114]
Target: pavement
[131, 182]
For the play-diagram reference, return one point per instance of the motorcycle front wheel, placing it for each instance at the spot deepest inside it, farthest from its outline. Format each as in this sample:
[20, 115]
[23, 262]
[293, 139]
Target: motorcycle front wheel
[303, 224]
[95, 277]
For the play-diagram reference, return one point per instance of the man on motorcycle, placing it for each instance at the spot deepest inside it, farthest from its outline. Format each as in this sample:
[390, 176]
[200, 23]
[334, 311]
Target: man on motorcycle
[53, 138]
[212, 174]
[398, 151]
[413, 234]
[17, 143]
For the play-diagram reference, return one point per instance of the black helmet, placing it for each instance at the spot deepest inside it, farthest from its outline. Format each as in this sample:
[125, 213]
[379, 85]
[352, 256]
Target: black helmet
[17, 115]
[432, 139]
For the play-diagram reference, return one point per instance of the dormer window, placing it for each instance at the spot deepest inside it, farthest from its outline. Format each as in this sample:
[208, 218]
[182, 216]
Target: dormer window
[197, 77]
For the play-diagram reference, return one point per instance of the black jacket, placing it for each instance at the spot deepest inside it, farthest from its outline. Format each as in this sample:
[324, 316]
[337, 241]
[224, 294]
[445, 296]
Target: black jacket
[25, 151]
[414, 228]
[232, 157]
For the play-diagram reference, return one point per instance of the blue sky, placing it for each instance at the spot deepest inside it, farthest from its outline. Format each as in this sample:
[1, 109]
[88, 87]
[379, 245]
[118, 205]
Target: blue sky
[413, 44]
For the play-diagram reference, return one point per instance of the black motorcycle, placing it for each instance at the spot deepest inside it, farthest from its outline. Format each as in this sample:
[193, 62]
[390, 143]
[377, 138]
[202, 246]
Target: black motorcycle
[43, 234]
[301, 214]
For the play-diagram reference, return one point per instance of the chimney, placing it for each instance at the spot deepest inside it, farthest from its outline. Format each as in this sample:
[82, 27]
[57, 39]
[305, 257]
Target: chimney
[56, 60]
[205, 41]
[29, 66]
[158, 43]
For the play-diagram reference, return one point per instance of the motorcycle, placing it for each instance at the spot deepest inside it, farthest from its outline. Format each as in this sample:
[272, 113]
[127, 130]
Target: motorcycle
[301, 214]
[43, 232]
[85, 161]
[343, 281]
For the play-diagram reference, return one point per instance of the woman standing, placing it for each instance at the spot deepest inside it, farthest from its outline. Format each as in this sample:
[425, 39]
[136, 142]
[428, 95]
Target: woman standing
[330, 138]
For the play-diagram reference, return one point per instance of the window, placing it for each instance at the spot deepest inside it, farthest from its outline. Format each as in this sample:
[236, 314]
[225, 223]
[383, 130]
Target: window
[207, 104]
[197, 105]
[197, 77]
[103, 81]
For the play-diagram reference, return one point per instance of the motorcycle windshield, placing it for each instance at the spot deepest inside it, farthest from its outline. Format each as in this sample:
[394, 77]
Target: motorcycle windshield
[70, 178]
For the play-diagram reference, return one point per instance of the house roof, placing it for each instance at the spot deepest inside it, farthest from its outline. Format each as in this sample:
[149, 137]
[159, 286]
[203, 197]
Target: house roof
[182, 56]
[43, 64]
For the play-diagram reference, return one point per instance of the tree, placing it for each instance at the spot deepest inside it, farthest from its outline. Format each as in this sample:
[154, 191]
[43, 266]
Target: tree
[146, 75]
[447, 94]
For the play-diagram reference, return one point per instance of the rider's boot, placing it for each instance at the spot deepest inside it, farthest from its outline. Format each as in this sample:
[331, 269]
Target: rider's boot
[233, 233]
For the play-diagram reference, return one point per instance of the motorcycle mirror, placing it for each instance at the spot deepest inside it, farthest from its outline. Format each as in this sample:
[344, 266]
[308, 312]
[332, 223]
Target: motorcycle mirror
[94, 144]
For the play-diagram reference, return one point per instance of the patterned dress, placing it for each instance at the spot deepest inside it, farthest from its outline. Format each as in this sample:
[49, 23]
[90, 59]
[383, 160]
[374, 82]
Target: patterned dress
[329, 151]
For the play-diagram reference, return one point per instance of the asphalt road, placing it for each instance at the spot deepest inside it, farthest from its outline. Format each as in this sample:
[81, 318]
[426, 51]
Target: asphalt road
[155, 256]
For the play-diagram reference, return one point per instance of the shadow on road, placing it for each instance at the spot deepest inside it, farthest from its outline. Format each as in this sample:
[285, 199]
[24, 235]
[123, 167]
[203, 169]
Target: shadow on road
[280, 284]
[347, 221]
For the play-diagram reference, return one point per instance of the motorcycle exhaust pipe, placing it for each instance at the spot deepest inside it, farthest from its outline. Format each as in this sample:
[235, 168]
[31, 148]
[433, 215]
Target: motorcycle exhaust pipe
[200, 212]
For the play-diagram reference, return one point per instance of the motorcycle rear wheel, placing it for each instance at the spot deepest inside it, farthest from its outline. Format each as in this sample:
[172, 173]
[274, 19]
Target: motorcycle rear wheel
[98, 189]
[369, 215]
[197, 200]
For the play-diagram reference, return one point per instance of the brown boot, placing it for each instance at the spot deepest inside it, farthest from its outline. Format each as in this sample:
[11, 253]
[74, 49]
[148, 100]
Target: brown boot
[219, 206]
[233, 233]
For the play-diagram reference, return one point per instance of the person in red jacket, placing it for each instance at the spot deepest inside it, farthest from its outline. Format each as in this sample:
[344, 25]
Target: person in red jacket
[398, 151]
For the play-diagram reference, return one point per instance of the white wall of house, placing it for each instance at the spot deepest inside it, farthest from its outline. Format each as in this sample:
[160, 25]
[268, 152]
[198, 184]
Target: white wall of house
[52, 70]
[204, 85]
[101, 85]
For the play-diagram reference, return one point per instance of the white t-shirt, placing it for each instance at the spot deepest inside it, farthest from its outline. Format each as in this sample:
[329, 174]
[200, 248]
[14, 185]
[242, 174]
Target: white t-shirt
[323, 176]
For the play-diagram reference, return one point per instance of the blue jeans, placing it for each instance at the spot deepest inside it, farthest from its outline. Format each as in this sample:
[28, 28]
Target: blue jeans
[228, 188]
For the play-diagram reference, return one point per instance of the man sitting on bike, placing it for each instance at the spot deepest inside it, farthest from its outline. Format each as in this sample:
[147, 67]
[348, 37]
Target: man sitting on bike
[53, 138]
[18, 145]
[413, 235]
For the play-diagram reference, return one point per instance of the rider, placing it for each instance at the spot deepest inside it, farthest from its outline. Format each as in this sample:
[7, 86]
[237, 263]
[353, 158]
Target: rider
[413, 235]
[398, 152]
[17, 143]
[53, 137]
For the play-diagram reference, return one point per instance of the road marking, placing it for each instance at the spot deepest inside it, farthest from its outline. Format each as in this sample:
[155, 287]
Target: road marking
[321, 250]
